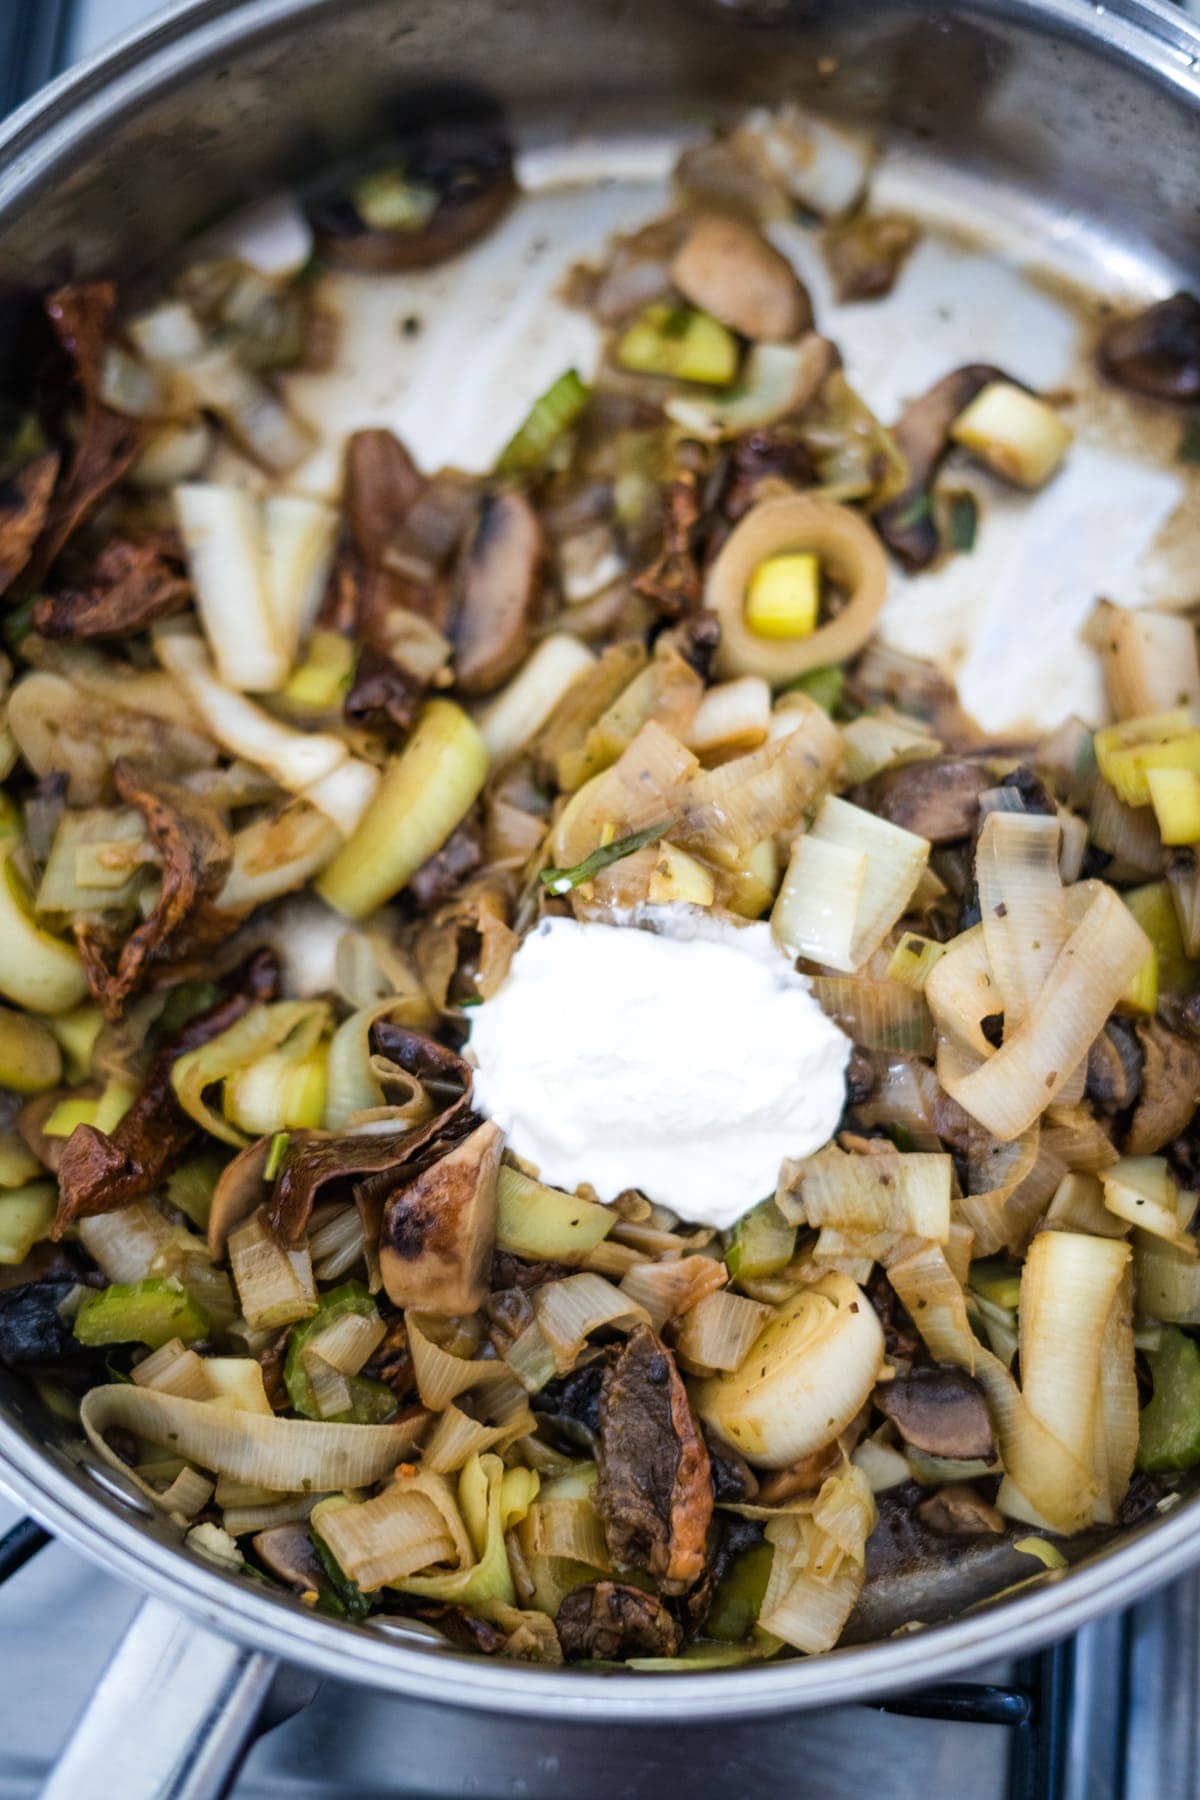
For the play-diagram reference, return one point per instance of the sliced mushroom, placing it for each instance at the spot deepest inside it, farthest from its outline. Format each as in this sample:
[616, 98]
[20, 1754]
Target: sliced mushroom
[605, 1621]
[498, 589]
[655, 1488]
[382, 483]
[728, 269]
[241, 1189]
[24, 504]
[288, 1551]
[458, 175]
[132, 586]
[865, 254]
[439, 1231]
[941, 1411]
[1157, 352]
[850, 557]
[938, 799]
[922, 433]
[958, 1511]
[1114, 1068]
[1170, 1089]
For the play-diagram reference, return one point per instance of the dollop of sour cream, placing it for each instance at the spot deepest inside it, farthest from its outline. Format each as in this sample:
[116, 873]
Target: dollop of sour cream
[686, 1058]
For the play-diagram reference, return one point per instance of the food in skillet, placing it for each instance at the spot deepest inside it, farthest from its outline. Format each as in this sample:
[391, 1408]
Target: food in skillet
[560, 1087]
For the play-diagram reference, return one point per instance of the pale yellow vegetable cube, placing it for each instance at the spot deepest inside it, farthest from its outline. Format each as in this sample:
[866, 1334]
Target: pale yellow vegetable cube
[1014, 433]
[1175, 797]
[784, 596]
[678, 876]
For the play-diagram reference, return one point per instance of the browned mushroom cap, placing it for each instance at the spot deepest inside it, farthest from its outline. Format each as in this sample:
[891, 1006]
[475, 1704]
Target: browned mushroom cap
[938, 799]
[466, 166]
[497, 593]
[655, 1488]
[1157, 352]
[850, 556]
[608, 1622]
[922, 433]
[1170, 1088]
[941, 1411]
[288, 1551]
[439, 1231]
[958, 1511]
[241, 1189]
[728, 269]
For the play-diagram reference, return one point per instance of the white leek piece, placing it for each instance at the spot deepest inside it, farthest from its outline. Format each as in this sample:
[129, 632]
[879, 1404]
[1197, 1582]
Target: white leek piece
[520, 710]
[298, 536]
[819, 901]
[221, 528]
[1021, 906]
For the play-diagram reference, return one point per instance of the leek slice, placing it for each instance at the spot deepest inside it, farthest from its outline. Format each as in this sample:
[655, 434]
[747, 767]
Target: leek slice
[26, 1215]
[551, 414]
[424, 794]
[221, 527]
[141, 1312]
[30, 1058]
[543, 1224]
[38, 971]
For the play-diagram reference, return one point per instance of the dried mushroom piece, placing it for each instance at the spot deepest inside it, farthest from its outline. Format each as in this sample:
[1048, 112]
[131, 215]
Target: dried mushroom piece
[439, 1231]
[941, 1411]
[655, 1489]
[498, 587]
[195, 851]
[24, 504]
[604, 1621]
[133, 585]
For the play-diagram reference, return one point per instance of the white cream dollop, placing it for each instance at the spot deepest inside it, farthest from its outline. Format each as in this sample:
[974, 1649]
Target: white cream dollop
[687, 1059]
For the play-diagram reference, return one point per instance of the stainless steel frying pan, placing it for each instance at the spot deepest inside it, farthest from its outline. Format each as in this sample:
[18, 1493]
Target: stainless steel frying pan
[1057, 121]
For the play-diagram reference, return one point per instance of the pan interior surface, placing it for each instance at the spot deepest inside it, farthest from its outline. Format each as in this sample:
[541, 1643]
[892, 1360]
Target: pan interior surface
[1023, 247]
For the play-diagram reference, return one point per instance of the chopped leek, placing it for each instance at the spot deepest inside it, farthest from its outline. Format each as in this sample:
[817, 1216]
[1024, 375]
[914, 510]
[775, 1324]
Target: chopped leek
[561, 881]
[140, 1312]
[26, 1215]
[190, 1187]
[1014, 433]
[18, 1164]
[913, 958]
[678, 879]
[551, 414]
[761, 1243]
[275, 1286]
[77, 1032]
[1169, 1425]
[519, 710]
[784, 595]
[281, 1040]
[320, 683]
[543, 1224]
[1127, 751]
[278, 1093]
[221, 527]
[424, 794]
[30, 1058]
[1154, 909]
[681, 343]
[38, 971]
[104, 1111]
[997, 1280]
[1175, 797]
[738, 1599]
[365, 1403]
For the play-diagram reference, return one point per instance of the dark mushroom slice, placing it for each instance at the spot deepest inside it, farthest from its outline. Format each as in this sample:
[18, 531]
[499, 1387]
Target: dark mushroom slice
[498, 587]
[654, 1494]
[865, 254]
[938, 799]
[732, 1476]
[941, 1411]
[382, 484]
[439, 1231]
[383, 697]
[958, 1511]
[1114, 1068]
[447, 187]
[1157, 352]
[1170, 1088]
[438, 880]
[604, 1621]
[922, 433]
[727, 268]
[132, 586]
[290, 1554]
[24, 504]
[241, 1189]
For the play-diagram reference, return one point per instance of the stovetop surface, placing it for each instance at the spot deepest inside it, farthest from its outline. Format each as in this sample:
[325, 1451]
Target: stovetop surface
[1113, 1716]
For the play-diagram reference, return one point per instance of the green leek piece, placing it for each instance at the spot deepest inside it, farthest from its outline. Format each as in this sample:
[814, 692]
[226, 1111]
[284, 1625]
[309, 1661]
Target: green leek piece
[739, 1596]
[387, 200]
[561, 881]
[190, 1187]
[148, 1312]
[77, 1032]
[26, 1215]
[822, 685]
[276, 1154]
[277, 1092]
[18, 1164]
[324, 677]
[30, 1057]
[185, 1002]
[962, 521]
[10, 818]
[1169, 1431]
[345, 1599]
[38, 971]
[551, 414]
[761, 1243]
[679, 342]
[997, 1280]
[350, 1297]
[104, 1112]
[543, 1224]
[424, 794]
[1154, 909]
